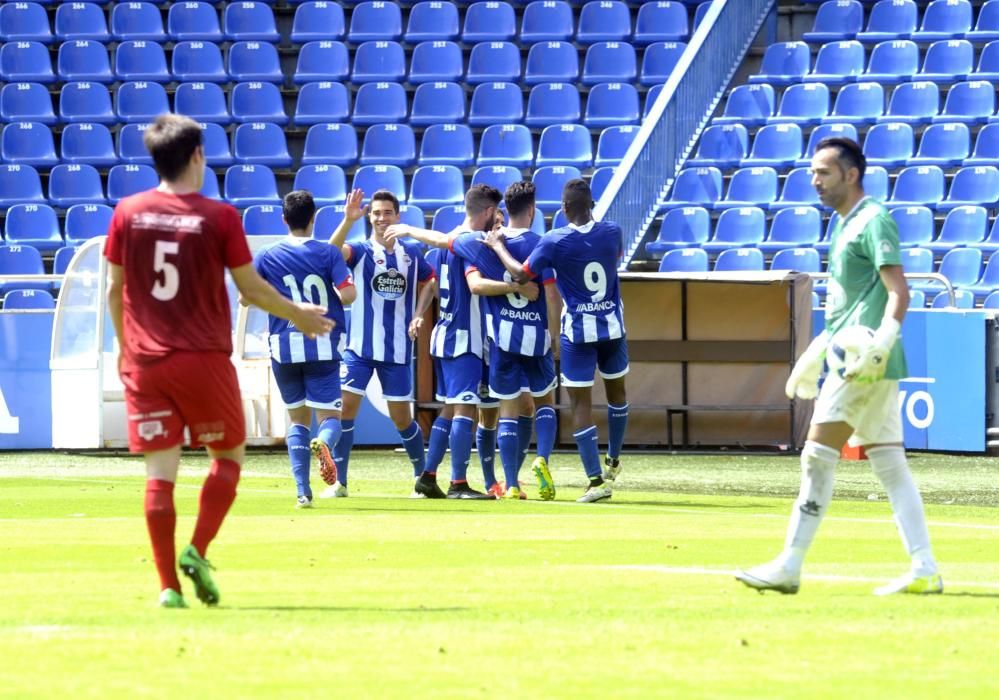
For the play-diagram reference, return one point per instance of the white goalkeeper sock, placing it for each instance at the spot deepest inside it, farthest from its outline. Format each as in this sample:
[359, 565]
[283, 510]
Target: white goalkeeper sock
[818, 464]
[892, 469]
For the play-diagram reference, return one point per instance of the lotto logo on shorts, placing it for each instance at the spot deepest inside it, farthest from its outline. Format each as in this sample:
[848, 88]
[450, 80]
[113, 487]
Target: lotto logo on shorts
[149, 429]
[467, 397]
[338, 405]
[210, 437]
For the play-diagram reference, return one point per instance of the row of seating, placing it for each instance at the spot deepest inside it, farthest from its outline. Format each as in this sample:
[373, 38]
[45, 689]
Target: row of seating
[27, 260]
[889, 19]
[28, 299]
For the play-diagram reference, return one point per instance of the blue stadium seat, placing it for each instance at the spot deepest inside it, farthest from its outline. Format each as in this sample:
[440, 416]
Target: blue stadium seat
[322, 61]
[131, 149]
[660, 21]
[318, 21]
[547, 21]
[695, 186]
[141, 60]
[389, 144]
[24, 299]
[493, 61]
[784, 63]
[684, 227]
[804, 103]
[264, 220]
[84, 60]
[328, 218]
[28, 143]
[193, 21]
[610, 62]
[797, 260]
[498, 176]
[327, 183]
[918, 185]
[990, 244]
[988, 285]
[489, 22]
[964, 226]
[380, 177]
[24, 21]
[549, 181]
[658, 61]
[506, 145]
[375, 21]
[947, 61]
[608, 20]
[821, 132]
[876, 182]
[988, 61]
[612, 144]
[379, 61]
[793, 227]
[944, 19]
[963, 299]
[432, 21]
[775, 145]
[837, 20]
[25, 62]
[126, 180]
[565, 144]
[972, 185]
[436, 186]
[739, 260]
[890, 19]
[611, 104]
[33, 224]
[749, 105]
[447, 144]
[496, 103]
[377, 103]
[254, 61]
[684, 260]
[858, 103]
[85, 102]
[330, 144]
[552, 103]
[971, 102]
[249, 21]
[70, 185]
[438, 103]
[257, 102]
[217, 153]
[26, 102]
[913, 103]
[89, 144]
[987, 26]
[992, 300]
[21, 260]
[246, 185]
[141, 102]
[210, 186]
[261, 143]
[915, 225]
[837, 63]
[80, 20]
[412, 215]
[650, 99]
[889, 145]
[721, 145]
[131, 21]
[962, 266]
[797, 191]
[198, 61]
[917, 261]
[986, 146]
[322, 102]
[20, 184]
[892, 62]
[449, 217]
[436, 61]
[750, 187]
[943, 144]
[203, 102]
[551, 62]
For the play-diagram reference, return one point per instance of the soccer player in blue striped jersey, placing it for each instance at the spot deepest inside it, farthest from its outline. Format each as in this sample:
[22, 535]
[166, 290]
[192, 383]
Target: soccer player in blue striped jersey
[585, 255]
[387, 274]
[307, 370]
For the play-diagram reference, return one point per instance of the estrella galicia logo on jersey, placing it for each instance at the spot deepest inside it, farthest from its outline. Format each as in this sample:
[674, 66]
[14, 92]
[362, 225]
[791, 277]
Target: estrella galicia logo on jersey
[389, 284]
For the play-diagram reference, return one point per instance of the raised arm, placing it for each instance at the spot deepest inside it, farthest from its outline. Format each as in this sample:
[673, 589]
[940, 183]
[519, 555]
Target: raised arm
[348, 294]
[352, 213]
[434, 239]
[308, 318]
[494, 240]
[485, 287]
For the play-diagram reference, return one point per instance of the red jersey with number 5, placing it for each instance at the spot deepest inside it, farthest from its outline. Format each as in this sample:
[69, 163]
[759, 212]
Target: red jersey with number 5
[174, 250]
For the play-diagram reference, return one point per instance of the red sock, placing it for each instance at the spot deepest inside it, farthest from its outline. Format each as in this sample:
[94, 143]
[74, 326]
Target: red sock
[217, 496]
[161, 520]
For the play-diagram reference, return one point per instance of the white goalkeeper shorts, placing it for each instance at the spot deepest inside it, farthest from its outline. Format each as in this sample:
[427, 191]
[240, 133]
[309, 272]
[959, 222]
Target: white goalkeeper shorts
[872, 410]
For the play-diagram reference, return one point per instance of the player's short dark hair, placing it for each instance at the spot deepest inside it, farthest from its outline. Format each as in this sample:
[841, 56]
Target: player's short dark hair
[386, 196]
[577, 195]
[171, 140]
[850, 153]
[519, 197]
[480, 197]
[299, 208]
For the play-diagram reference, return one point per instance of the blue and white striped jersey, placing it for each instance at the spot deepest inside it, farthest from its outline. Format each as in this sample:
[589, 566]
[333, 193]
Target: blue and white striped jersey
[386, 282]
[459, 328]
[585, 260]
[304, 269]
[515, 324]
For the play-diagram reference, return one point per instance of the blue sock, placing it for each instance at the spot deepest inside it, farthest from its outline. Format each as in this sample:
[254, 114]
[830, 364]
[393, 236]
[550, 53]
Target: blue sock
[300, 457]
[341, 451]
[586, 441]
[617, 423]
[412, 440]
[546, 424]
[461, 447]
[485, 443]
[525, 425]
[439, 434]
[509, 449]
[329, 432]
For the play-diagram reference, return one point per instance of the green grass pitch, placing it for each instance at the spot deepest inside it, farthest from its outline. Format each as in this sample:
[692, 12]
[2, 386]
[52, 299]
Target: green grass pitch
[380, 596]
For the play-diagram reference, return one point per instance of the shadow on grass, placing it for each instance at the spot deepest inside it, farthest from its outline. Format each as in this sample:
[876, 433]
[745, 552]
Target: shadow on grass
[690, 504]
[969, 594]
[341, 609]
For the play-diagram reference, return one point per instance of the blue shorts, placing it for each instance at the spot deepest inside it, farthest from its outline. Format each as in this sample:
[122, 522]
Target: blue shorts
[579, 360]
[511, 374]
[312, 384]
[462, 380]
[396, 379]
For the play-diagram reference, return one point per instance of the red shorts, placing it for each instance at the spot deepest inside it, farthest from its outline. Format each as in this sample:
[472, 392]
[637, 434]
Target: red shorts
[194, 389]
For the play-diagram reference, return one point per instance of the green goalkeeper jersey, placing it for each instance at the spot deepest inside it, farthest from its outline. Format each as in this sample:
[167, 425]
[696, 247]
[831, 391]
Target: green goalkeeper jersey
[860, 245]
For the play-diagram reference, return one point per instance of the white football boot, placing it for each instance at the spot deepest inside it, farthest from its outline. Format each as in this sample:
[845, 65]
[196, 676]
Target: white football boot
[770, 577]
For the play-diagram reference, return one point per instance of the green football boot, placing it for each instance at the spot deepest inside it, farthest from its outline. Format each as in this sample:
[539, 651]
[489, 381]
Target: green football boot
[169, 598]
[196, 568]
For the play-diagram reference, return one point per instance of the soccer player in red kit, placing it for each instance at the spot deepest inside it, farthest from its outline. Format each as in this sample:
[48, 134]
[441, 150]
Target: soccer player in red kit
[167, 251]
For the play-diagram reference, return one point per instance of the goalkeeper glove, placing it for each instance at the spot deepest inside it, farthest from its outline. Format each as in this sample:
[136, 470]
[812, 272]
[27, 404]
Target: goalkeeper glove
[869, 366]
[804, 380]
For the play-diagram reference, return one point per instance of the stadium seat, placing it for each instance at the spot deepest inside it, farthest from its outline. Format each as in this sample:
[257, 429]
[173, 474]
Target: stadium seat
[793, 227]
[858, 103]
[565, 144]
[784, 63]
[438, 103]
[494, 61]
[328, 218]
[987, 25]
[986, 146]
[447, 144]
[943, 144]
[88, 144]
[379, 61]
[25, 21]
[750, 187]
[25, 299]
[432, 21]
[913, 103]
[448, 218]
[650, 99]
[971, 102]
[609, 62]
[496, 103]
[943, 20]
[660, 21]
[797, 191]
[322, 61]
[608, 20]
[947, 61]
[249, 21]
[246, 185]
[436, 61]
[25, 62]
[549, 20]
[370, 178]
[684, 260]
[217, 153]
[963, 299]
[749, 105]
[261, 143]
[916, 261]
[804, 104]
[126, 180]
[889, 145]
[70, 185]
[739, 260]
[552, 62]
[137, 21]
[988, 62]
[837, 63]
[990, 244]
[549, 181]
[722, 146]
[203, 102]
[83, 60]
[915, 225]
[85, 102]
[821, 132]
[198, 61]
[318, 21]
[33, 224]
[389, 144]
[988, 285]
[330, 144]
[327, 183]
[962, 266]
[254, 61]
[612, 144]
[193, 21]
[611, 104]
[918, 185]
[20, 184]
[892, 62]
[378, 103]
[489, 22]
[972, 185]
[210, 187]
[141, 60]
[552, 103]
[695, 186]
[775, 145]
[131, 149]
[28, 143]
[964, 226]
[21, 260]
[375, 21]
[264, 220]
[876, 182]
[839, 20]
[141, 101]
[506, 144]
[684, 227]
[992, 300]
[26, 102]
[498, 176]
[322, 102]
[889, 20]
[436, 186]
[658, 61]
[80, 20]
[796, 260]
[257, 102]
